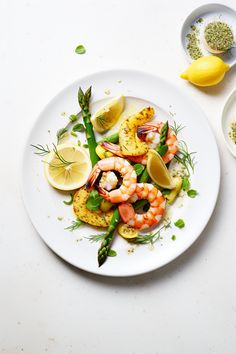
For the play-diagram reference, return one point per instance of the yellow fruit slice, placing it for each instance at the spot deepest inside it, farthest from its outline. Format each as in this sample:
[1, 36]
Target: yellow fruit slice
[108, 115]
[67, 167]
[127, 232]
[206, 71]
[175, 191]
[158, 171]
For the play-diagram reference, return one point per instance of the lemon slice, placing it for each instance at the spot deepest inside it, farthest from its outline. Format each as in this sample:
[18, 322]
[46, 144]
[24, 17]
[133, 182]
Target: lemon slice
[158, 171]
[108, 115]
[67, 167]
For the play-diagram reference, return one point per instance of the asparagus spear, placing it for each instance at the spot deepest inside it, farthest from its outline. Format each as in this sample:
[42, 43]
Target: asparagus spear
[84, 99]
[162, 148]
[106, 243]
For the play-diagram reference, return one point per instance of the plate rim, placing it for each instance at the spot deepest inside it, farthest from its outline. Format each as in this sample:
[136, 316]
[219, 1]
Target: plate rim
[25, 145]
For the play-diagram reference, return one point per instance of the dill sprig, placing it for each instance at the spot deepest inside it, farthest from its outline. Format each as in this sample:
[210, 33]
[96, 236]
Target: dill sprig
[176, 127]
[96, 238]
[41, 150]
[63, 162]
[74, 225]
[153, 236]
[185, 158]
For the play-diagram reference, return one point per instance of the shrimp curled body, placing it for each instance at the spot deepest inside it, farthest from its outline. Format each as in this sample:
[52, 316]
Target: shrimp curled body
[127, 173]
[152, 216]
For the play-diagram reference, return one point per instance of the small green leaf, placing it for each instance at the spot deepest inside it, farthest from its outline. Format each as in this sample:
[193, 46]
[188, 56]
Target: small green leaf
[78, 127]
[185, 184]
[111, 253]
[162, 150]
[138, 168]
[192, 193]
[180, 223]
[80, 49]
[166, 191]
[60, 133]
[173, 238]
[73, 134]
[79, 143]
[73, 117]
[93, 201]
[85, 146]
[69, 202]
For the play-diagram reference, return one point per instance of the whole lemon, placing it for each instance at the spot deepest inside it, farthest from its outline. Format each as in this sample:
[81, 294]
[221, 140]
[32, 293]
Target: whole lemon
[206, 71]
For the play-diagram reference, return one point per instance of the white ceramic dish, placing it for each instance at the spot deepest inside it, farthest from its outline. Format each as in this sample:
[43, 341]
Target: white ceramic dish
[229, 115]
[44, 204]
[209, 13]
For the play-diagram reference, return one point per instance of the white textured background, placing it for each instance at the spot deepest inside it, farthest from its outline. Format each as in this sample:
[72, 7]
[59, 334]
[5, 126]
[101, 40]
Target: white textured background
[188, 307]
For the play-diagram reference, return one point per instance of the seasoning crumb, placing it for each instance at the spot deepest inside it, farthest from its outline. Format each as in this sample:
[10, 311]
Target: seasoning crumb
[130, 250]
[232, 133]
[63, 114]
[200, 20]
[193, 43]
[60, 218]
[49, 131]
[79, 239]
[107, 92]
[119, 81]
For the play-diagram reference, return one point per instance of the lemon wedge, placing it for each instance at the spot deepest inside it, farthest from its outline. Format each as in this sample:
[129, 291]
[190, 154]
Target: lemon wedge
[206, 71]
[158, 171]
[67, 167]
[108, 115]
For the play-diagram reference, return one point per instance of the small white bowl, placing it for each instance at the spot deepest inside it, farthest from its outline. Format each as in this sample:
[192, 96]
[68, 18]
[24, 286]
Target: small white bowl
[210, 13]
[228, 115]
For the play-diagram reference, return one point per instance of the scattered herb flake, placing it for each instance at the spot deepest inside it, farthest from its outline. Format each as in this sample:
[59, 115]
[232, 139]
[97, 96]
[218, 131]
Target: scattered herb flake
[192, 193]
[173, 237]
[79, 127]
[185, 183]
[80, 49]
[180, 223]
[111, 253]
[85, 146]
[73, 118]
[73, 134]
[69, 202]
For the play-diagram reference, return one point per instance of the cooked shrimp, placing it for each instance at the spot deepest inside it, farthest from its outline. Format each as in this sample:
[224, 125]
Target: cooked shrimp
[150, 133]
[152, 216]
[130, 144]
[126, 171]
[115, 150]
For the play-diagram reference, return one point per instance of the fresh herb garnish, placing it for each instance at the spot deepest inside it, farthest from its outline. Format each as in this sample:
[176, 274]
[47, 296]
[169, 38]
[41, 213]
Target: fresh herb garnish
[63, 162]
[180, 223]
[41, 150]
[185, 183]
[173, 237]
[61, 133]
[152, 237]
[79, 127]
[73, 134]
[75, 225]
[79, 143]
[111, 253]
[192, 193]
[80, 49]
[138, 168]
[96, 238]
[69, 202]
[177, 128]
[94, 200]
[85, 146]
[185, 158]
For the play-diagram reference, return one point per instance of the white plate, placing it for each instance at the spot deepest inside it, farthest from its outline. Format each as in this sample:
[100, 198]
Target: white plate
[229, 115]
[44, 204]
[209, 13]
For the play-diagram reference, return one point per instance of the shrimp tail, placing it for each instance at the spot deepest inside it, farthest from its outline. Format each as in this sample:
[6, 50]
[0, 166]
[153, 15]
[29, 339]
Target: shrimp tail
[92, 178]
[143, 130]
[114, 148]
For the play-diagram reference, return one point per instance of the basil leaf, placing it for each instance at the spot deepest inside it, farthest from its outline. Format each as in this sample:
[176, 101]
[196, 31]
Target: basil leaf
[138, 168]
[162, 150]
[80, 49]
[192, 193]
[78, 127]
[111, 253]
[179, 223]
[185, 184]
